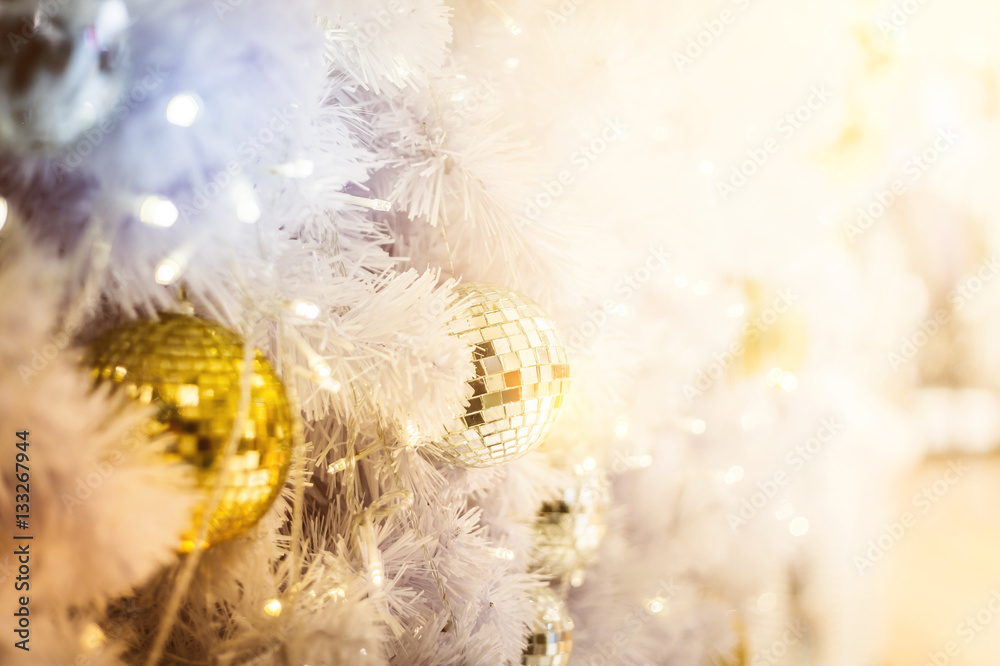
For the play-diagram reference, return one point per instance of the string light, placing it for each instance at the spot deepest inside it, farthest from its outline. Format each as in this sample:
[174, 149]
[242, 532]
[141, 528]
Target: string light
[273, 608]
[799, 526]
[157, 211]
[734, 474]
[784, 511]
[247, 209]
[697, 426]
[112, 18]
[589, 465]
[767, 602]
[412, 435]
[337, 466]
[656, 604]
[789, 382]
[183, 109]
[512, 63]
[305, 309]
[735, 310]
[621, 428]
[92, 638]
[341, 464]
[297, 169]
[508, 21]
[503, 554]
[782, 378]
[374, 204]
[167, 271]
[321, 368]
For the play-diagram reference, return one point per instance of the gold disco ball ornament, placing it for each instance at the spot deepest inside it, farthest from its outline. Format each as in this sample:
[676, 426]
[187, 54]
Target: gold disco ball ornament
[521, 380]
[551, 638]
[190, 370]
[570, 529]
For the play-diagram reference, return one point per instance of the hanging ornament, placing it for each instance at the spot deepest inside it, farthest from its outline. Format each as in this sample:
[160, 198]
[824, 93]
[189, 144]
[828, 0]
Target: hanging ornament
[551, 639]
[521, 380]
[61, 69]
[190, 369]
[569, 530]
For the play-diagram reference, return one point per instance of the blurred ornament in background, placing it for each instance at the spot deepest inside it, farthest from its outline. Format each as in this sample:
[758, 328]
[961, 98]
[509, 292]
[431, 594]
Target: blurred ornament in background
[62, 67]
[551, 639]
[569, 530]
[521, 380]
[190, 369]
[776, 333]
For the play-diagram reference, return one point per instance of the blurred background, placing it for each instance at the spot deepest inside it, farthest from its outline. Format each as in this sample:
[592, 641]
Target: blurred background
[767, 230]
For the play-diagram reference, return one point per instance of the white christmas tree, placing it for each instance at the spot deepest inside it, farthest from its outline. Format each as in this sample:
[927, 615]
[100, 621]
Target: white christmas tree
[683, 191]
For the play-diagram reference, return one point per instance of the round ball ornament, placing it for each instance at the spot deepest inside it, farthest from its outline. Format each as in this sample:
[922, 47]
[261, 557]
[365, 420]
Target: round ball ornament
[521, 378]
[62, 70]
[551, 639]
[190, 370]
[569, 530]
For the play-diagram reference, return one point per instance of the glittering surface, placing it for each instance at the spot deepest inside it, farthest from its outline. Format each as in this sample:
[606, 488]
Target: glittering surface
[569, 530]
[191, 369]
[522, 377]
[551, 639]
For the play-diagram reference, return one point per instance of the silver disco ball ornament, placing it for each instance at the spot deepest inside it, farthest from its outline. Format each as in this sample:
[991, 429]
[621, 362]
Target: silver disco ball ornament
[521, 378]
[569, 530]
[551, 639]
[61, 70]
